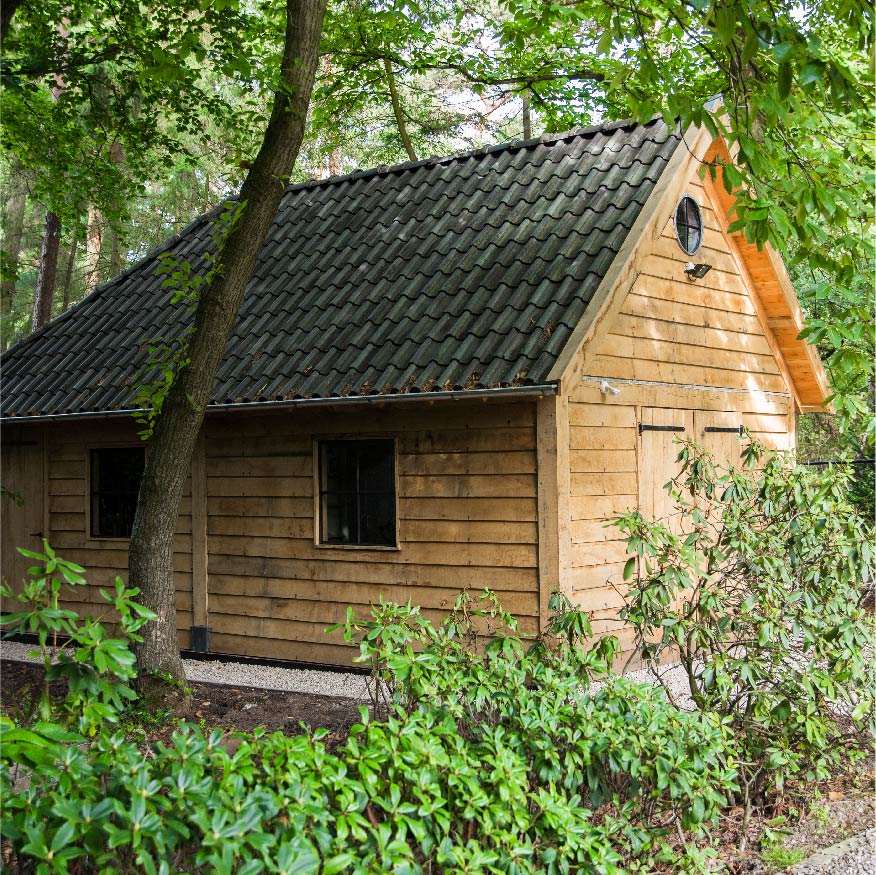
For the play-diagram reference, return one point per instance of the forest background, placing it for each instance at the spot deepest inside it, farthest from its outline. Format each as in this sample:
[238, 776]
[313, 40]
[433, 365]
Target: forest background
[122, 122]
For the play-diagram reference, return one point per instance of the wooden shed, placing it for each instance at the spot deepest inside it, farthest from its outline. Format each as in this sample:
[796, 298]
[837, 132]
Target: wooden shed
[445, 374]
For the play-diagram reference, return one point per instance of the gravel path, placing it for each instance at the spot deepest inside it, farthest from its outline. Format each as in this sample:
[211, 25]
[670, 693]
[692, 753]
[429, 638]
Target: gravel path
[854, 856]
[327, 683]
[241, 674]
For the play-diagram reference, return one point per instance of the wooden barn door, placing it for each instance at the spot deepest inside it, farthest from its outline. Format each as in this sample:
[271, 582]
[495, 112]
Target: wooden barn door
[718, 432]
[659, 427]
[21, 473]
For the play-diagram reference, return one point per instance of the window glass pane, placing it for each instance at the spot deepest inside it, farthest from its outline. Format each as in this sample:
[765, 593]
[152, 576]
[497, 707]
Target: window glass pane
[340, 467]
[340, 519]
[120, 469]
[375, 467]
[378, 519]
[688, 225]
[115, 514]
[357, 492]
[694, 226]
[115, 483]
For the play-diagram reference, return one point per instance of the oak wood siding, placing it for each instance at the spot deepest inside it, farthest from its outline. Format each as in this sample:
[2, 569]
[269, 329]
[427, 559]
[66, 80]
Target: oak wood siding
[22, 517]
[467, 517]
[67, 454]
[705, 332]
[667, 329]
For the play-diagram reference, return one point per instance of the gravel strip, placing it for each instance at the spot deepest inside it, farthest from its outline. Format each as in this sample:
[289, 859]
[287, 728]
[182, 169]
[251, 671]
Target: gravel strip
[854, 856]
[241, 674]
[330, 683]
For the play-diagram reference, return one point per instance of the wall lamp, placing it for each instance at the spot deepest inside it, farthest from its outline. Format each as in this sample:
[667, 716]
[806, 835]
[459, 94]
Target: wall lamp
[607, 389]
[696, 271]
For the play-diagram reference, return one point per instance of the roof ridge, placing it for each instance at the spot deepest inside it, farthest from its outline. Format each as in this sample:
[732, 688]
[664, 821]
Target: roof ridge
[509, 145]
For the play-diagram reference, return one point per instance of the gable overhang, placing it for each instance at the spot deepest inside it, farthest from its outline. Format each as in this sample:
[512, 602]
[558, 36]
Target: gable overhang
[773, 295]
[775, 299]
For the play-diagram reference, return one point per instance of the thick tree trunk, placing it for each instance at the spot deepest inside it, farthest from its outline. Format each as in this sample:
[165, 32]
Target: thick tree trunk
[177, 426]
[68, 272]
[48, 271]
[397, 110]
[93, 241]
[13, 227]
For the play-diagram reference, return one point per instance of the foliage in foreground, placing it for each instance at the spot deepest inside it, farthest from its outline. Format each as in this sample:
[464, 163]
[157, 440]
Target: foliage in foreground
[755, 584]
[95, 665]
[488, 756]
[493, 759]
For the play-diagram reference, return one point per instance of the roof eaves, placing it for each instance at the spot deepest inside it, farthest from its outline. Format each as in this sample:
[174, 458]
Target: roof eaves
[533, 391]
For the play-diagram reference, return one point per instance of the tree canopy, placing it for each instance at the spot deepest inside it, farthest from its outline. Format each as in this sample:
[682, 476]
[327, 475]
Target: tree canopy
[151, 113]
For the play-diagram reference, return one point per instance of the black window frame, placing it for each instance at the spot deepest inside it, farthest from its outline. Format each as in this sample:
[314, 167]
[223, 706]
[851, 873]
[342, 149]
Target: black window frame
[683, 227]
[358, 446]
[95, 531]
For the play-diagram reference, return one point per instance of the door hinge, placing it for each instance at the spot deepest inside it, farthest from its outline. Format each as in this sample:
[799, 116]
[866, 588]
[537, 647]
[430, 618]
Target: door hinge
[644, 427]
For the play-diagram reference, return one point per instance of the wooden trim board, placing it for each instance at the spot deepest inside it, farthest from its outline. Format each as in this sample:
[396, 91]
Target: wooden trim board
[200, 588]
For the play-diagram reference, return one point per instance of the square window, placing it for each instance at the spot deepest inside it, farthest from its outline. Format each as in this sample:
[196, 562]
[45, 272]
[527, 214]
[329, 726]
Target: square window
[115, 486]
[357, 502]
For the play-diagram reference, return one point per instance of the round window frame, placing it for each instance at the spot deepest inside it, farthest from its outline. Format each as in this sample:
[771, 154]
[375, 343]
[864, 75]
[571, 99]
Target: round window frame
[678, 206]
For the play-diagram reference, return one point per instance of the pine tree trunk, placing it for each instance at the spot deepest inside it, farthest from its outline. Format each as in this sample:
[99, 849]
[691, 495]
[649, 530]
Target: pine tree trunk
[335, 167]
[117, 156]
[13, 227]
[397, 110]
[176, 428]
[116, 262]
[93, 241]
[48, 271]
[68, 273]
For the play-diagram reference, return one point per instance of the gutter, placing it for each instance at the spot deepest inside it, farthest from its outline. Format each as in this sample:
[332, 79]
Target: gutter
[509, 393]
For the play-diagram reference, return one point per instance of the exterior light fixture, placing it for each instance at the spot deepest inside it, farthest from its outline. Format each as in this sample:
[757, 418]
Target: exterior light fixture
[607, 389]
[696, 271]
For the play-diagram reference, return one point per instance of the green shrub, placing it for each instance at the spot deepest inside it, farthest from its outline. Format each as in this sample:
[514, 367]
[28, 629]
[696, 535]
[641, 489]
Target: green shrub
[95, 665]
[490, 758]
[755, 587]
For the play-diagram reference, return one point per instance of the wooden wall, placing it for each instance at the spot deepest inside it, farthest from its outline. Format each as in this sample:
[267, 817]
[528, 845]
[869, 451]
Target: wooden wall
[467, 503]
[706, 332]
[67, 454]
[467, 517]
[669, 330]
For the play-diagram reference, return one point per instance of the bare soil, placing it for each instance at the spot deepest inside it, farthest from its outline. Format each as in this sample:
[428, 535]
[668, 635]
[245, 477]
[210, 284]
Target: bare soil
[214, 706]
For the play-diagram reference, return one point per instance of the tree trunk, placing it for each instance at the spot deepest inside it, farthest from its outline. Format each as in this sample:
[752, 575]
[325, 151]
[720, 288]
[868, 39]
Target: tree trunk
[527, 119]
[335, 167]
[68, 273]
[13, 226]
[397, 110]
[93, 241]
[7, 11]
[117, 156]
[48, 271]
[116, 263]
[177, 426]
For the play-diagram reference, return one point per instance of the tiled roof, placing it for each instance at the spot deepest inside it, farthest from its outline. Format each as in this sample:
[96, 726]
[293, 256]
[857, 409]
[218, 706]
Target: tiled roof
[465, 272]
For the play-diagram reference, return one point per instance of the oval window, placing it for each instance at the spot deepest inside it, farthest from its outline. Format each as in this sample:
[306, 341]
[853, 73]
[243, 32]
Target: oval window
[689, 225]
